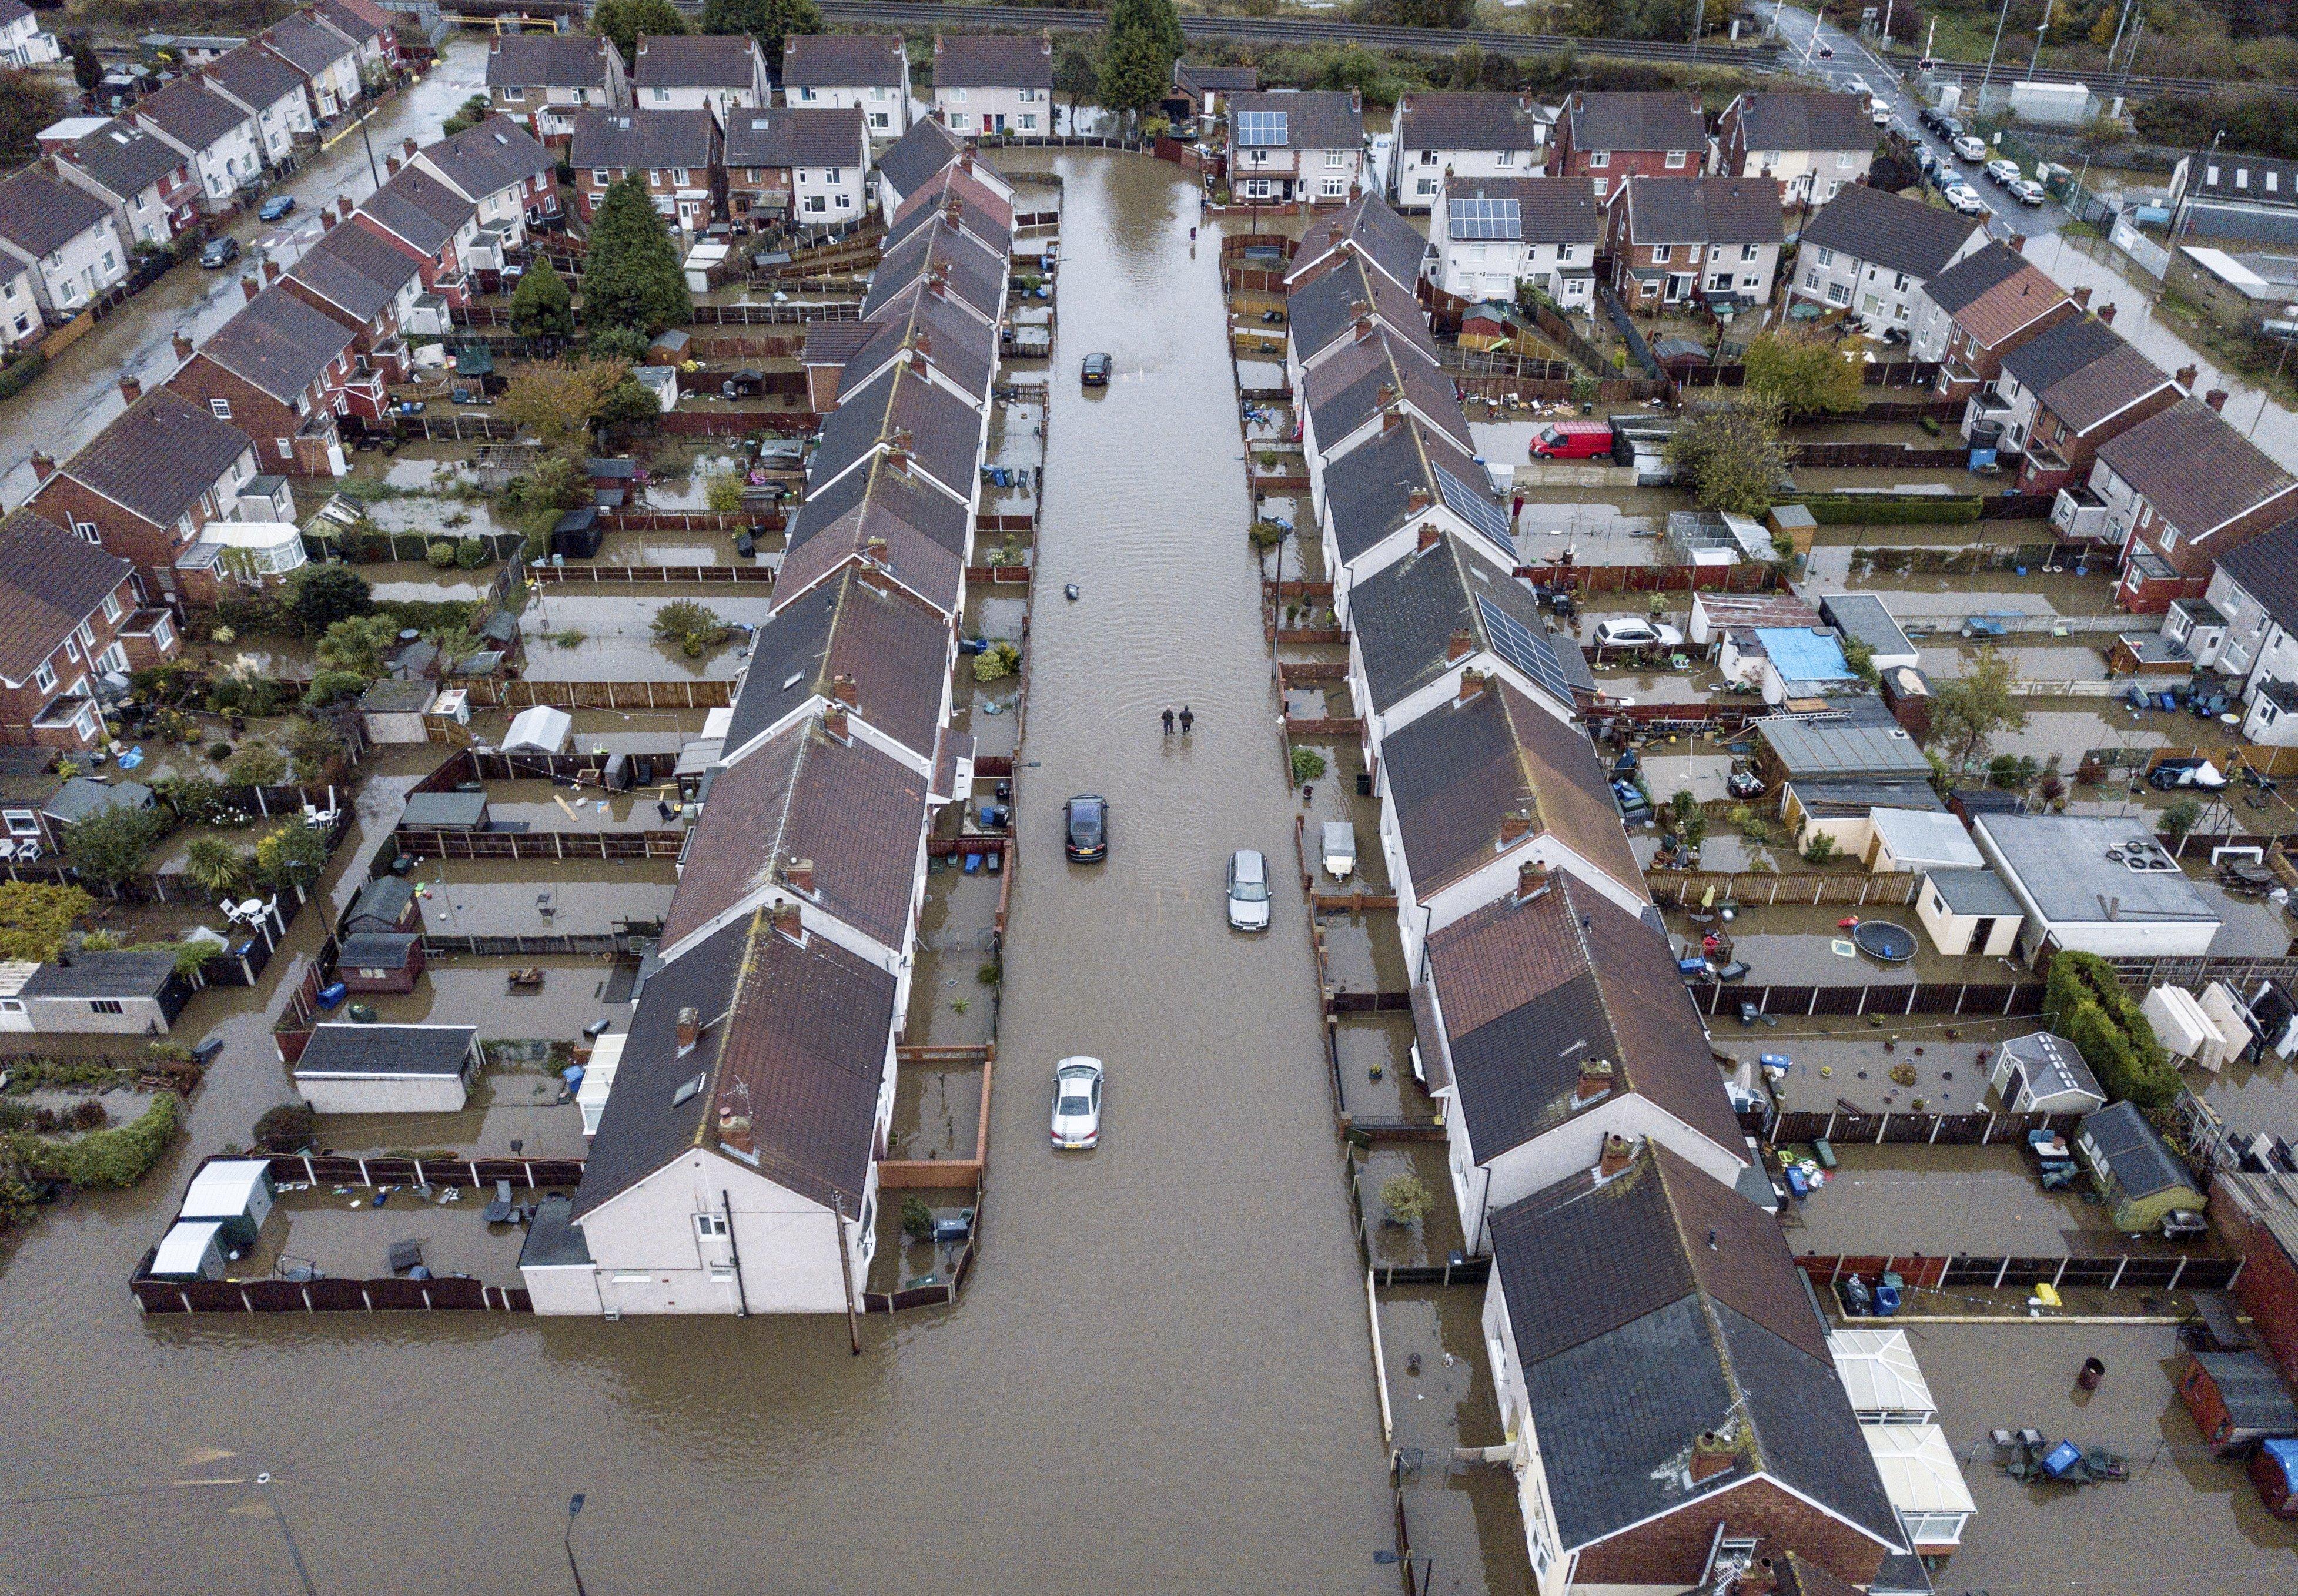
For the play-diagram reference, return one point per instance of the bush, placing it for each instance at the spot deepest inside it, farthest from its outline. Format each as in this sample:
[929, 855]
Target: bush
[35, 918]
[256, 765]
[440, 556]
[997, 661]
[1896, 509]
[87, 1114]
[1308, 764]
[1407, 1198]
[694, 627]
[917, 1219]
[111, 1160]
[285, 1127]
[330, 687]
[470, 553]
[1820, 848]
[722, 493]
[2087, 1002]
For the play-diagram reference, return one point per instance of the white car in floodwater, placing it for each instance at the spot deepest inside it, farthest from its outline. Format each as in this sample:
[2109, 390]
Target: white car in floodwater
[1248, 890]
[1076, 1104]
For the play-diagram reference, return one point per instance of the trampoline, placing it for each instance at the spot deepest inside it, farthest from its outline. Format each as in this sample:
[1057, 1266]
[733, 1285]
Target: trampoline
[1880, 939]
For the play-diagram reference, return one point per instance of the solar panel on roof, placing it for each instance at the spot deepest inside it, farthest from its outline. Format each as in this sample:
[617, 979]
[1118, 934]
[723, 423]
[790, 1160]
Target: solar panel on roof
[1477, 509]
[1260, 129]
[1525, 648]
[1486, 218]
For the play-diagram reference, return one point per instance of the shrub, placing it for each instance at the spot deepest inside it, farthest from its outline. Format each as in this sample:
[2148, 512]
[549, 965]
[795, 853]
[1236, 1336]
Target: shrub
[35, 918]
[111, 1160]
[997, 661]
[256, 765]
[285, 1127]
[2087, 1002]
[722, 493]
[227, 695]
[1407, 1198]
[218, 751]
[917, 1219]
[1896, 509]
[694, 627]
[441, 556]
[1820, 848]
[332, 686]
[88, 1115]
[470, 553]
[1308, 764]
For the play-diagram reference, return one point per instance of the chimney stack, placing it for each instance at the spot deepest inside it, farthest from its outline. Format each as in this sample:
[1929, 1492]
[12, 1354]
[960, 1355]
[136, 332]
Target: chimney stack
[130, 389]
[1425, 538]
[734, 1133]
[785, 919]
[2018, 243]
[410, 146]
[1462, 644]
[1384, 395]
[249, 287]
[2216, 399]
[2106, 314]
[391, 164]
[1515, 825]
[689, 1029]
[842, 689]
[1532, 879]
[1595, 1079]
[1472, 685]
[1391, 419]
[270, 271]
[2185, 377]
[875, 551]
[2080, 295]
[1757, 1579]
[1417, 501]
[343, 205]
[183, 347]
[44, 466]
[1712, 1454]
[799, 875]
[834, 724]
[1618, 1154]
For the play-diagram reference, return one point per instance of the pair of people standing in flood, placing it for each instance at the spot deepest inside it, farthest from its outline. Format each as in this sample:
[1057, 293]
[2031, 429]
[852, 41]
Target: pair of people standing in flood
[1189, 719]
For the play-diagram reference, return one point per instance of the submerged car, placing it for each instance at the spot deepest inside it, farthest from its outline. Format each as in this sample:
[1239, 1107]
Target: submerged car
[277, 207]
[1095, 374]
[219, 252]
[1248, 890]
[1085, 828]
[1077, 1104]
[1626, 631]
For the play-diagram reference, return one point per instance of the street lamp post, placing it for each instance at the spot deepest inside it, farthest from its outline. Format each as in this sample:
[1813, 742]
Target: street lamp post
[573, 1507]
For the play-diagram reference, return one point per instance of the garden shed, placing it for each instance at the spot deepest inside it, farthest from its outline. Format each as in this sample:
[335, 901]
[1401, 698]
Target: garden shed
[237, 1193]
[191, 1250]
[2044, 1073]
[2237, 1400]
[2141, 1179]
[385, 903]
[83, 796]
[380, 962]
[445, 812]
[349, 1068]
[113, 991]
[1970, 913]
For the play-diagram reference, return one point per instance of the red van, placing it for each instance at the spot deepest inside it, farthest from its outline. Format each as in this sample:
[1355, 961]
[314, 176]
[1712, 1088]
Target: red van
[1572, 440]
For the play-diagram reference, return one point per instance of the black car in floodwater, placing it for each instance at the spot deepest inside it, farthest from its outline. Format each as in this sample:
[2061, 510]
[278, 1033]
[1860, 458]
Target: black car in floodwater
[1095, 374]
[1085, 828]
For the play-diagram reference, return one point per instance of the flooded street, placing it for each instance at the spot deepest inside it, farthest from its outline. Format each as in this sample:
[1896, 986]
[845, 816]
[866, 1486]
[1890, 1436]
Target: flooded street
[1158, 1377]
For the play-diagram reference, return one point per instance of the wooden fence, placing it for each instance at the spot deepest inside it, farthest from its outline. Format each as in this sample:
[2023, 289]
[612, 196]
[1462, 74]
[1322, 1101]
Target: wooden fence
[1893, 887]
[1745, 576]
[432, 844]
[489, 693]
[2192, 1271]
[606, 575]
[385, 1293]
[2000, 1001]
[1982, 1130]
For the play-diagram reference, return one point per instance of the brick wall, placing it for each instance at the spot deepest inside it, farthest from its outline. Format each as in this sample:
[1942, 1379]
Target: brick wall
[1672, 1550]
[152, 549]
[2267, 1290]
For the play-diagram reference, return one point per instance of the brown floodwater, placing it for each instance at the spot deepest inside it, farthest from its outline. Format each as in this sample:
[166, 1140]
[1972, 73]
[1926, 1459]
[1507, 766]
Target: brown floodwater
[1158, 1377]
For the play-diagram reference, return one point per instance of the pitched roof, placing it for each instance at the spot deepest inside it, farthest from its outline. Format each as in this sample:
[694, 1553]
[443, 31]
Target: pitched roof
[159, 456]
[40, 215]
[1884, 229]
[843, 59]
[1319, 313]
[960, 348]
[956, 192]
[2142, 1161]
[1462, 774]
[112, 973]
[1805, 121]
[918, 154]
[1311, 118]
[2266, 567]
[970, 271]
[993, 61]
[697, 60]
[547, 60]
[355, 271]
[189, 111]
[1667, 120]
[2084, 371]
[642, 139]
[124, 157]
[1203, 76]
[1697, 1323]
[856, 624]
[835, 342]
[899, 408]
[857, 813]
[1370, 490]
[1704, 210]
[1532, 988]
[1350, 389]
[305, 44]
[489, 157]
[416, 207]
[1467, 121]
[358, 19]
[799, 135]
[50, 581]
[924, 534]
[279, 343]
[2003, 303]
[1983, 269]
[2247, 179]
[2194, 468]
[1525, 210]
[1367, 225]
[255, 76]
[1408, 617]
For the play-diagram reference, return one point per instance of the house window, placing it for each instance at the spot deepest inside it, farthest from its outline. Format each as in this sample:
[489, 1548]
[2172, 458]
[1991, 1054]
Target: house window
[2242, 177]
[1598, 159]
[1029, 119]
[709, 1225]
[1827, 257]
[1720, 283]
[2267, 715]
[163, 633]
[87, 636]
[23, 822]
[115, 658]
[678, 176]
[1837, 294]
[816, 203]
[662, 93]
[106, 1006]
[1336, 157]
[1427, 186]
[1844, 159]
[1771, 158]
[878, 119]
[222, 408]
[286, 449]
[87, 529]
[1505, 158]
[1676, 159]
[1747, 252]
[1660, 253]
[45, 678]
[1335, 187]
[958, 94]
[602, 177]
[1564, 254]
[1900, 286]
[806, 95]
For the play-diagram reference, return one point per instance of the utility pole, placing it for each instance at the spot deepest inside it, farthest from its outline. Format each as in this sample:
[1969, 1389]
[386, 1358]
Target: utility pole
[369, 143]
[2037, 60]
[574, 1509]
[1998, 44]
[1699, 24]
[2121, 23]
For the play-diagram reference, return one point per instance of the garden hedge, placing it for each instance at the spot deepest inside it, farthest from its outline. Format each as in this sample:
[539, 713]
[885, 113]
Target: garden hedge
[1877, 510]
[108, 1160]
[2087, 1002]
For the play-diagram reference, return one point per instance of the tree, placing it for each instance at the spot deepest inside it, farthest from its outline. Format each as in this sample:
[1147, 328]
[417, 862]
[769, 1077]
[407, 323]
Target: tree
[319, 596]
[1421, 13]
[1804, 373]
[291, 856]
[558, 403]
[629, 400]
[217, 865]
[1135, 71]
[110, 845]
[88, 71]
[1407, 1198]
[360, 643]
[469, 114]
[619, 343]
[1968, 711]
[1730, 455]
[769, 21]
[693, 626]
[256, 765]
[543, 306]
[1156, 18]
[2181, 818]
[312, 746]
[34, 919]
[623, 20]
[28, 103]
[631, 276]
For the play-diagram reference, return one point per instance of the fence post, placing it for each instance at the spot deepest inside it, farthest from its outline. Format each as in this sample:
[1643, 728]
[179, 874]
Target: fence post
[2001, 1270]
[1883, 1126]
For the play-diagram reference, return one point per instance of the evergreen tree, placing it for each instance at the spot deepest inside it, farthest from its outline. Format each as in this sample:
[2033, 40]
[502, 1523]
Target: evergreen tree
[28, 103]
[87, 71]
[632, 278]
[1135, 70]
[1156, 18]
[769, 21]
[542, 306]
[623, 20]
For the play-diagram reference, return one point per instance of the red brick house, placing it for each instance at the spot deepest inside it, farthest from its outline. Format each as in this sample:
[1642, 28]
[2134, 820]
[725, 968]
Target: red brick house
[677, 151]
[284, 372]
[364, 282]
[1667, 1388]
[1684, 240]
[425, 219]
[1979, 309]
[1611, 136]
[68, 612]
[145, 486]
[2070, 390]
[2181, 490]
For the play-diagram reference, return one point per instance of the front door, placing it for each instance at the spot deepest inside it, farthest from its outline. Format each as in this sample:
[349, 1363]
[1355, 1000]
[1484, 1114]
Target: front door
[1679, 287]
[997, 122]
[1982, 932]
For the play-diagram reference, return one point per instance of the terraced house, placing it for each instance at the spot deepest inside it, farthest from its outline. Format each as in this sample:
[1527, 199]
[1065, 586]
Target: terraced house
[68, 612]
[545, 78]
[809, 165]
[869, 72]
[675, 153]
[1452, 137]
[67, 239]
[1308, 146]
[719, 73]
[147, 181]
[995, 85]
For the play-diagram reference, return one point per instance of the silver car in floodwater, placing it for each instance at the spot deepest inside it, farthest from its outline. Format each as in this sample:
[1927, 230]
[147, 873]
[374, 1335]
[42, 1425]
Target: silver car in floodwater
[1248, 890]
[1076, 1104]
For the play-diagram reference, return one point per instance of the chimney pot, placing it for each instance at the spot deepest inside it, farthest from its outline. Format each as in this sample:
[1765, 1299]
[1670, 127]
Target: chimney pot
[799, 875]
[1417, 501]
[690, 1028]
[1532, 877]
[343, 205]
[1617, 1154]
[2106, 313]
[1515, 825]
[2080, 295]
[1461, 644]
[44, 466]
[2187, 376]
[875, 551]
[2018, 242]
[1712, 1454]
[249, 287]
[271, 271]
[130, 389]
[786, 919]
[2216, 399]
[734, 1132]
[843, 690]
[1472, 684]
[1426, 539]
[183, 347]
[1391, 419]
[834, 724]
[1595, 1079]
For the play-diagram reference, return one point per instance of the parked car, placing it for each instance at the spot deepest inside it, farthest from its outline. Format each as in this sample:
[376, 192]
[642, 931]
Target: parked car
[219, 252]
[1969, 148]
[1248, 890]
[1879, 111]
[1077, 1104]
[2005, 172]
[1966, 199]
[1085, 828]
[278, 207]
[1949, 127]
[1095, 374]
[1572, 440]
[2028, 192]
[1626, 631]
[1928, 115]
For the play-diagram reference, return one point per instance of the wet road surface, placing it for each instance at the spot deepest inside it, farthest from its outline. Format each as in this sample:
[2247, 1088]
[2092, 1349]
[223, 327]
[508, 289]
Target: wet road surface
[1158, 1378]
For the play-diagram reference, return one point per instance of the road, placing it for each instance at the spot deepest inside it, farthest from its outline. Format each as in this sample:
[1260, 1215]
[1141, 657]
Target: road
[79, 395]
